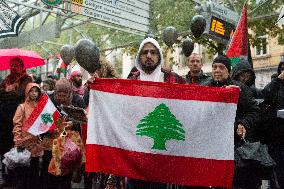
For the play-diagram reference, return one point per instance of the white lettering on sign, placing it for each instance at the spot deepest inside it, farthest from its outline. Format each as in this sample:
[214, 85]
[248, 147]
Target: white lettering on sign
[109, 15]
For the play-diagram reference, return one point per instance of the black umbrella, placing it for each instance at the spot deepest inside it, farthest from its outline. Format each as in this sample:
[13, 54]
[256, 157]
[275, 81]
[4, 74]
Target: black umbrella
[10, 21]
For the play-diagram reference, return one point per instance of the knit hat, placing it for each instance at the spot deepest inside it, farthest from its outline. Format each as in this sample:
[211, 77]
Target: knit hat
[223, 60]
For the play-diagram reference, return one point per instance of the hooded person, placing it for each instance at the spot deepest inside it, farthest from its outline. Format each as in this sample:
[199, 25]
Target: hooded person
[244, 73]
[27, 177]
[273, 94]
[149, 64]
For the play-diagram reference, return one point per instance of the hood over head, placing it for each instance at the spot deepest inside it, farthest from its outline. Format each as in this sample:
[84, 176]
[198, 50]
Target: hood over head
[156, 44]
[242, 66]
[279, 66]
[30, 86]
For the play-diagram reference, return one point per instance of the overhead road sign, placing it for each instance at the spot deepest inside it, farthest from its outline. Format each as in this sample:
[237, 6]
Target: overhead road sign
[224, 12]
[132, 14]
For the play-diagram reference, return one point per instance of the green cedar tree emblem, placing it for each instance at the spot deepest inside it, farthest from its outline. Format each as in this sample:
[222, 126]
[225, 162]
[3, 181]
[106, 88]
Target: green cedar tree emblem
[46, 118]
[161, 125]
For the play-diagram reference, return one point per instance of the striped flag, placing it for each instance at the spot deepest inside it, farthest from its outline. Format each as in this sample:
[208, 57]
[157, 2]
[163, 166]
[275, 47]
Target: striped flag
[162, 132]
[43, 117]
[239, 45]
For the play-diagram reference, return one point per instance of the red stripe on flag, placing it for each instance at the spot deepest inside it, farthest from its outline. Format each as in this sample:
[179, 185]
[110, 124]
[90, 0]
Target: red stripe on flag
[55, 117]
[167, 90]
[36, 112]
[159, 168]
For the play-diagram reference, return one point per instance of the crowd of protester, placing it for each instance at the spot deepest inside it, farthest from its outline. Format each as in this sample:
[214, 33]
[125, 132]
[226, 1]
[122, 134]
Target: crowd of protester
[256, 120]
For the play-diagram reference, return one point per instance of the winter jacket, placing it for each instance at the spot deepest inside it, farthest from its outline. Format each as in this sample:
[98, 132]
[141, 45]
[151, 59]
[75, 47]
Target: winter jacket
[21, 137]
[202, 78]
[9, 102]
[274, 100]
[242, 66]
[247, 110]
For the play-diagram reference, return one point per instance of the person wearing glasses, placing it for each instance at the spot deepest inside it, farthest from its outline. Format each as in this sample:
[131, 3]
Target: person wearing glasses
[149, 64]
[149, 67]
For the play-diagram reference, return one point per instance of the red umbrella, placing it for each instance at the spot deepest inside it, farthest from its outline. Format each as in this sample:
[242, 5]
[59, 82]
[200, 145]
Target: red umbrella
[30, 58]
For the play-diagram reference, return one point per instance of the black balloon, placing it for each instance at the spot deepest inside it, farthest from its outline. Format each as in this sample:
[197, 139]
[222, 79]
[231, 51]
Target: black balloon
[87, 55]
[67, 54]
[198, 25]
[187, 47]
[170, 35]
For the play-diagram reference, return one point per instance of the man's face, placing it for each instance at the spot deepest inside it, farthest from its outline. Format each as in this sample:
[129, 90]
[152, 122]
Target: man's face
[77, 80]
[195, 63]
[219, 72]
[16, 67]
[149, 58]
[245, 77]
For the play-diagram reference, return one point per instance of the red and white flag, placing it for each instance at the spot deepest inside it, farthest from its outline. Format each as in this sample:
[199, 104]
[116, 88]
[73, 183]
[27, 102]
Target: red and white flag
[43, 117]
[162, 132]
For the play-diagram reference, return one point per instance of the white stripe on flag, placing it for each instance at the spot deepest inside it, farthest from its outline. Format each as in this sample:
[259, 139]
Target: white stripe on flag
[205, 124]
[49, 108]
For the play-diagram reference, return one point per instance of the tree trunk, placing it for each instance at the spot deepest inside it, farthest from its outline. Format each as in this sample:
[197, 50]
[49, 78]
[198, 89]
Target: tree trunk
[159, 144]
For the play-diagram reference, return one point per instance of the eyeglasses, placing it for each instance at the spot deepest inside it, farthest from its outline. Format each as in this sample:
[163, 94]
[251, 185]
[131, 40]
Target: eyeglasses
[152, 52]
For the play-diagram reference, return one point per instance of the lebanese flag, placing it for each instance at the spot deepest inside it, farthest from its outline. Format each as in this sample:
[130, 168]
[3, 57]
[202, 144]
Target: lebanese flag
[239, 46]
[42, 118]
[169, 133]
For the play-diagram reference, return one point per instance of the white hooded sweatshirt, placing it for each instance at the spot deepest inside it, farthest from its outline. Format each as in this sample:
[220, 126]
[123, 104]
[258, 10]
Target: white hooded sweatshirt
[157, 75]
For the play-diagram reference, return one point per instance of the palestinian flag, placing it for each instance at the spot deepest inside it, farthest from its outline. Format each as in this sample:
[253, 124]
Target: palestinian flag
[43, 117]
[162, 132]
[239, 46]
[62, 68]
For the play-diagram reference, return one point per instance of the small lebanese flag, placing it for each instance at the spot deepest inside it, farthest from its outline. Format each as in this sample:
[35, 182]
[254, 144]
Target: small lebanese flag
[43, 117]
[162, 132]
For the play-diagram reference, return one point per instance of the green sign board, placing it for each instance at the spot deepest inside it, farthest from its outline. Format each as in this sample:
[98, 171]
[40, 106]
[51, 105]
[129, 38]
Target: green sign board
[52, 2]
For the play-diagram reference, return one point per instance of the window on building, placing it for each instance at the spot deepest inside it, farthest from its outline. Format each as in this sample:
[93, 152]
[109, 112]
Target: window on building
[262, 48]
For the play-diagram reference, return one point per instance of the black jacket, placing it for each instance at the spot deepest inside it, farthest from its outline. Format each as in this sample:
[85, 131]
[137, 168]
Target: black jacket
[9, 102]
[274, 100]
[202, 78]
[247, 110]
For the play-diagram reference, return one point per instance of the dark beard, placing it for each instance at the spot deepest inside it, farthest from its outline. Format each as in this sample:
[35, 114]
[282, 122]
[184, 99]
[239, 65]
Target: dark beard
[148, 67]
[77, 83]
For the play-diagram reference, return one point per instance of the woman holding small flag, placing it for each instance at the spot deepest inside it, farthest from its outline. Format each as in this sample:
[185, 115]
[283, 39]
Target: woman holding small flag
[62, 95]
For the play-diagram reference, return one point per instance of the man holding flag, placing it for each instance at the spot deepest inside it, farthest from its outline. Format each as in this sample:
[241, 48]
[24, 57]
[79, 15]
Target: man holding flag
[156, 132]
[149, 63]
[246, 115]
